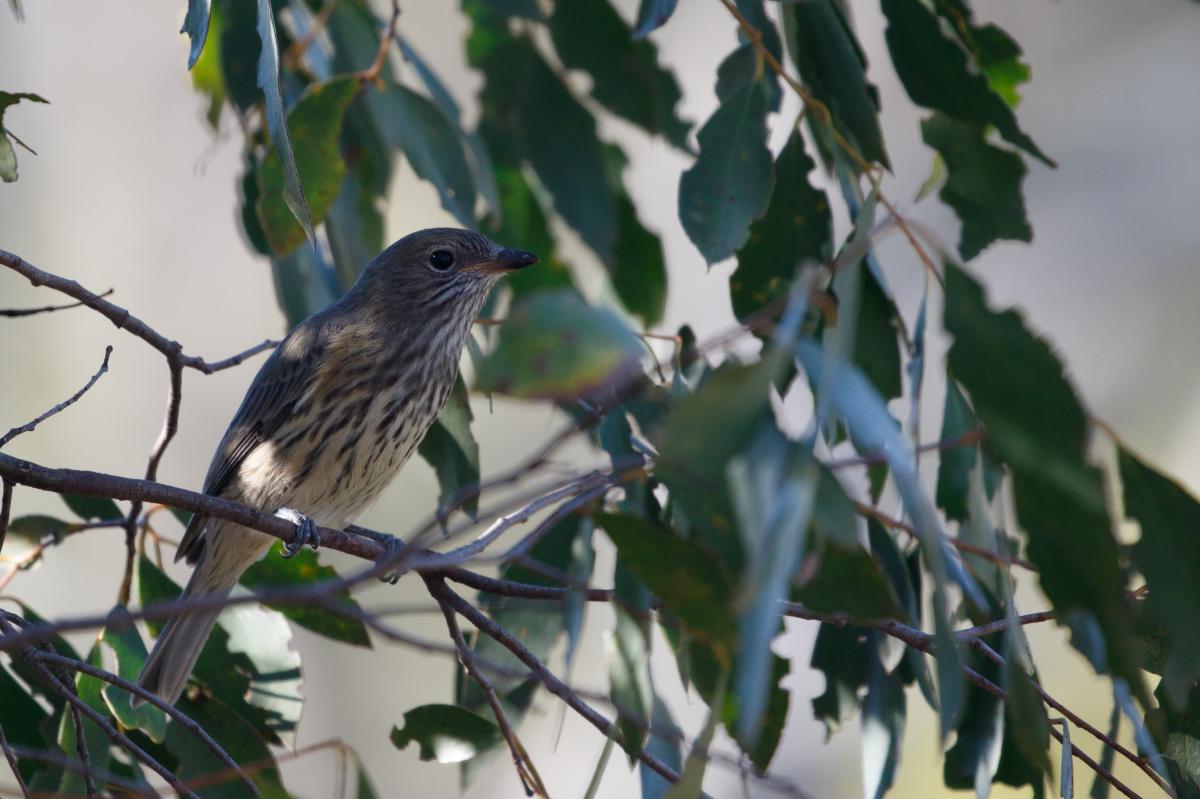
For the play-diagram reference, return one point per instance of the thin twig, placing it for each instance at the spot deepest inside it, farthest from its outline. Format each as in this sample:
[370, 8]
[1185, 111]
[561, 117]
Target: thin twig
[960, 545]
[969, 437]
[992, 655]
[62, 406]
[530, 778]
[85, 757]
[548, 679]
[371, 73]
[13, 313]
[296, 51]
[6, 494]
[119, 316]
[11, 755]
[72, 764]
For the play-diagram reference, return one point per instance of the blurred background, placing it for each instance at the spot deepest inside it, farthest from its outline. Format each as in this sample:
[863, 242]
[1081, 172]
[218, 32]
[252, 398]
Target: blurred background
[131, 190]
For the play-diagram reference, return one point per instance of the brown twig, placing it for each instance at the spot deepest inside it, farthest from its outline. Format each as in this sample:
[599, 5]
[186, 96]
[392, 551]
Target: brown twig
[969, 437]
[960, 545]
[548, 679]
[528, 774]
[72, 764]
[85, 757]
[6, 494]
[14, 313]
[371, 73]
[62, 406]
[296, 51]
[11, 756]
[992, 655]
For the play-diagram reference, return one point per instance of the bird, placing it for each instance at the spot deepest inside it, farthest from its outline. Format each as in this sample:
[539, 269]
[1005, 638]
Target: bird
[332, 416]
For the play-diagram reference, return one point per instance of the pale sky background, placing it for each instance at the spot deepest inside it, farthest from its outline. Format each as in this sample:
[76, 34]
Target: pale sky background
[131, 191]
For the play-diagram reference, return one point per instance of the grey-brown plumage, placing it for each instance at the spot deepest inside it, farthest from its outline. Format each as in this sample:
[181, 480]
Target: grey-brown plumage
[334, 413]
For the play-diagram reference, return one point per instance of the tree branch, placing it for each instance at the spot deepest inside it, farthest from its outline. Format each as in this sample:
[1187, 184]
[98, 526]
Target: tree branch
[530, 778]
[10, 754]
[14, 313]
[62, 406]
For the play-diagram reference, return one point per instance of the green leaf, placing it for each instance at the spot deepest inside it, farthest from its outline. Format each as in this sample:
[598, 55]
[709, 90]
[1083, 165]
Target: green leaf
[432, 144]
[848, 580]
[691, 781]
[688, 579]
[198, 765]
[195, 25]
[873, 430]
[520, 218]
[876, 346]
[954, 468]
[663, 745]
[553, 345]
[313, 125]
[445, 733]
[1177, 734]
[24, 719]
[289, 174]
[8, 156]
[92, 508]
[304, 283]
[35, 529]
[971, 763]
[265, 639]
[983, 186]
[834, 68]
[590, 35]
[628, 653]
[1168, 556]
[651, 15]
[1035, 423]
[773, 485]
[240, 46]
[451, 450]
[130, 653]
[526, 103]
[304, 569]
[208, 74]
[884, 711]
[796, 228]
[729, 186]
[742, 68]
[840, 654]
[916, 41]
[639, 274]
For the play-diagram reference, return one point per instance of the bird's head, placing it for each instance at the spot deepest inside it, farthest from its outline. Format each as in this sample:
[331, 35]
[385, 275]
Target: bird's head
[439, 268]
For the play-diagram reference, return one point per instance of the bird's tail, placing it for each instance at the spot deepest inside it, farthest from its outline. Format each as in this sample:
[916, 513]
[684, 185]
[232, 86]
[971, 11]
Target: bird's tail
[184, 635]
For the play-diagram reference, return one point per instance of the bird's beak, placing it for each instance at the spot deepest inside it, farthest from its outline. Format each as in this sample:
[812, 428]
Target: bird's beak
[505, 261]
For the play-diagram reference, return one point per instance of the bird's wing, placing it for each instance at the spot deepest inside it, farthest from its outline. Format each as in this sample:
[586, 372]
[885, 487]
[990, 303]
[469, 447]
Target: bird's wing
[269, 402]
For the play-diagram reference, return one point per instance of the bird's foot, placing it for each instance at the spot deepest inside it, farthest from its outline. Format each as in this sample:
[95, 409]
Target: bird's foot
[305, 534]
[391, 552]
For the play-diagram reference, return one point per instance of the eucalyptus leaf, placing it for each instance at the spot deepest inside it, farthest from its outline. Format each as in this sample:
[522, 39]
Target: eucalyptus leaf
[451, 449]
[195, 25]
[304, 569]
[446, 733]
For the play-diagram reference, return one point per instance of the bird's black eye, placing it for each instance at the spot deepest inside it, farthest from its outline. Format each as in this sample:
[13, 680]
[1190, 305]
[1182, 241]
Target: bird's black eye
[441, 260]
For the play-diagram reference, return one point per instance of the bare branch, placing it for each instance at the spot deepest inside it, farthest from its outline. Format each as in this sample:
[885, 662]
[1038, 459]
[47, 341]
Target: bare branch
[14, 313]
[73, 764]
[10, 754]
[30, 426]
[548, 679]
[6, 492]
[85, 757]
[530, 779]
[371, 73]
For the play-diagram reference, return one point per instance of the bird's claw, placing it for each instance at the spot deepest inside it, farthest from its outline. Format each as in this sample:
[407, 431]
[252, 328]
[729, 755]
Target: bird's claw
[391, 548]
[305, 534]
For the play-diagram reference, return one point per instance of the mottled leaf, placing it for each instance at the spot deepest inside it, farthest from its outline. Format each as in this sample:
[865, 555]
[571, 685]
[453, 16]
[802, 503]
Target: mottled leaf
[446, 733]
[729, 186]
[312, 156]
[553, 345]
[795, 229]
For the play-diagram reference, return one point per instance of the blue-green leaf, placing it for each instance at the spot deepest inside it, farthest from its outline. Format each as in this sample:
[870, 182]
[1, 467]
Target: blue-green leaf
[730, 184]
[446, 733]
[195, 25]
